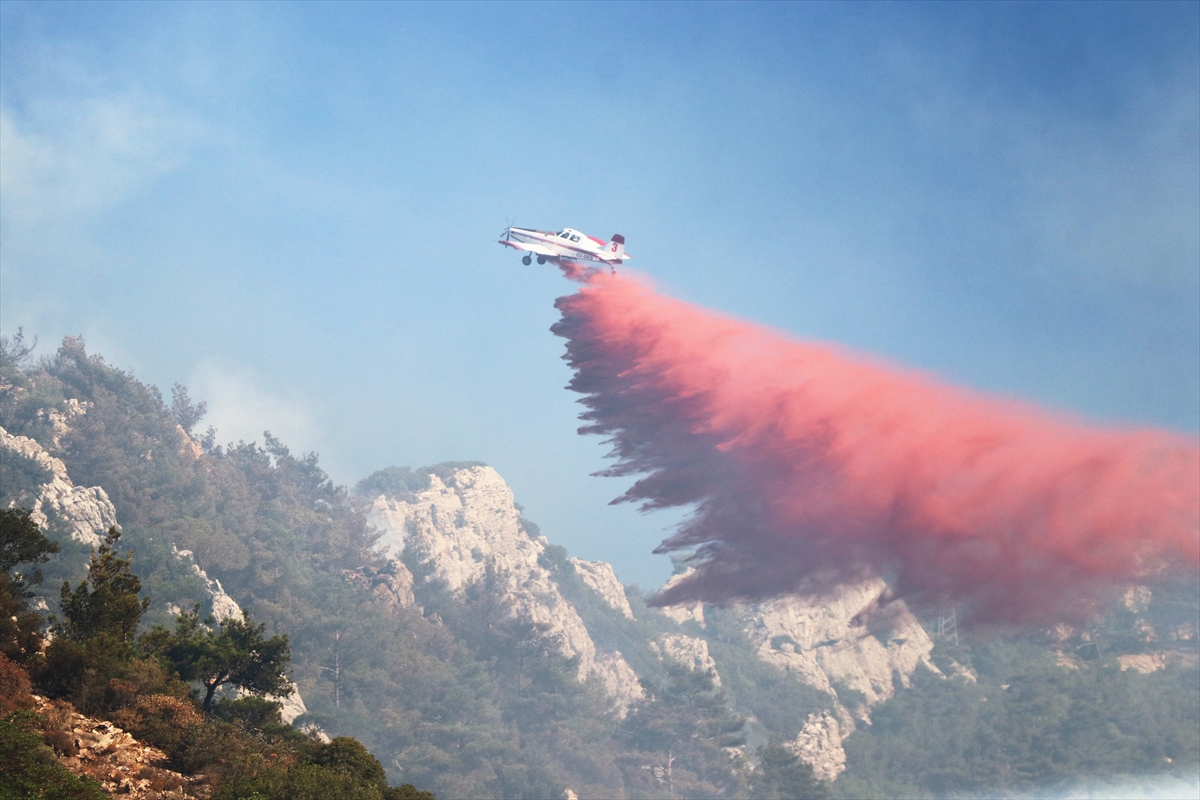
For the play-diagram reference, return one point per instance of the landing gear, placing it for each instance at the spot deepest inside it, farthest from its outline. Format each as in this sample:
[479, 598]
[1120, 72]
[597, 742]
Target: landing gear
[541, 259]
[527, 261]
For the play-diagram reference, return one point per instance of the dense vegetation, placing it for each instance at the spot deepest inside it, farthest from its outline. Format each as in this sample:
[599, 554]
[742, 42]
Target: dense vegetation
[459, 695]
[98, 663]
[1025, 725]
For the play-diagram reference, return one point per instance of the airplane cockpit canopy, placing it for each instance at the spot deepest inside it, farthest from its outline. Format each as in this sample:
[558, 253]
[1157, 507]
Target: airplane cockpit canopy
[567, 233]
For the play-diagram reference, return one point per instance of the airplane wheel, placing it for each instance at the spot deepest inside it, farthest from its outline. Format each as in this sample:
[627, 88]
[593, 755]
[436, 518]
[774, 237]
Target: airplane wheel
[527, 261]
[541, 260]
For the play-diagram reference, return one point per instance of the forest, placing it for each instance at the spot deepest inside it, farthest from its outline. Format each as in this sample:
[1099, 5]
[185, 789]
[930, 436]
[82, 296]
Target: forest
[459, 694]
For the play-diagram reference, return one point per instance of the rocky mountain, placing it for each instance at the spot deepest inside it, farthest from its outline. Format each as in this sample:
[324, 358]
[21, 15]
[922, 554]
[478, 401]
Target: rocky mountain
[853, 641]
[84, 515]
[854, 645]
[461, 527]
[473, 656]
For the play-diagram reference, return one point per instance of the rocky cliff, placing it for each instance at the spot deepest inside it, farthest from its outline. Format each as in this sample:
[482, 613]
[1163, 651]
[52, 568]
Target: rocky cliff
[852, 644]
[601, 579]
[464, 525]
[390, 648]
[82, 514]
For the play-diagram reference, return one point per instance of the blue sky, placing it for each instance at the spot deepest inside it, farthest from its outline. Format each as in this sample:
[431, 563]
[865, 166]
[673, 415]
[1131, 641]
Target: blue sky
[293, 208]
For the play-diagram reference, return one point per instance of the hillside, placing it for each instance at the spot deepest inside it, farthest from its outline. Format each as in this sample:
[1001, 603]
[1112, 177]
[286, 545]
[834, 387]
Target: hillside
[474, 658]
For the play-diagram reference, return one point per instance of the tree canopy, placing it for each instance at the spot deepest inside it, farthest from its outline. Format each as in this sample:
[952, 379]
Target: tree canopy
[237, 654]
[21, 542]
[106, 604]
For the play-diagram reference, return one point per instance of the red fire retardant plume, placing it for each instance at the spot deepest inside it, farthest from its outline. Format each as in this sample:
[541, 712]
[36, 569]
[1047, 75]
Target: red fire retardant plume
[806, 463]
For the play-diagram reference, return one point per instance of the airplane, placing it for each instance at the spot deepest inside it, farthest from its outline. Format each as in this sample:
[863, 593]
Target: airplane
[567, 247]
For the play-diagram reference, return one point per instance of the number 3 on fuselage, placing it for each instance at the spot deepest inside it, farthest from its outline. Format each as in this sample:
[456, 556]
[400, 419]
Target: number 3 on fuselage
[568, 246]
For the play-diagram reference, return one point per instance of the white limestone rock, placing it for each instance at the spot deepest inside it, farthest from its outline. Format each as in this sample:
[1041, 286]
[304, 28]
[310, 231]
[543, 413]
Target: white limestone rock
[853, 643]
[600, 578]
[391, 585]
[963, 673]
[619, 680]
[459, 526]
[291, 704]
[854, 639]
[85, 513]
[224, 606]
[683, 612]
[60, 421]
[689, 651]
[819, 743]
[189, 446]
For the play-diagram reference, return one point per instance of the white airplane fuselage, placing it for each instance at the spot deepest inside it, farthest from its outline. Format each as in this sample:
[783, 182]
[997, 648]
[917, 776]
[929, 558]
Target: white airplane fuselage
[567, 246]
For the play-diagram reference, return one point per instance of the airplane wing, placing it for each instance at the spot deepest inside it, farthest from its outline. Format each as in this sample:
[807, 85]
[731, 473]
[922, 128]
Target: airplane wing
[532, 248]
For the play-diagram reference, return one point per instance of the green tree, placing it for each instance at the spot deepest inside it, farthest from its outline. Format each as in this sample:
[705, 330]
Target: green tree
[406, 791]
[95, 637]
[689, 728]
[186, 413]
[238, 654]
[348, 757]
[342, 768]
[105, 605]
[21, 542]
[781, 775]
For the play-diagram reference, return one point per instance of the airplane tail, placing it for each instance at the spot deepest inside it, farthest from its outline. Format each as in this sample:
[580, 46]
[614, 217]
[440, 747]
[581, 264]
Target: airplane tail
[615, 249]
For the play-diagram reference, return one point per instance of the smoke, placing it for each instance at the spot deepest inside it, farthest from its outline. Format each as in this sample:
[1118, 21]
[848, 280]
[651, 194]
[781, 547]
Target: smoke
[806, 464]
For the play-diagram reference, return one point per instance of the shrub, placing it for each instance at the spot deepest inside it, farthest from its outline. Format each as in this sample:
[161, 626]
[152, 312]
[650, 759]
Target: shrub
[14, 687]
[28, 767]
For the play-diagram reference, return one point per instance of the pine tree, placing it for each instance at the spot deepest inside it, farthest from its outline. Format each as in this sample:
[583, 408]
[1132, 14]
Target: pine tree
[105, 605]
[781, 775]
[238, 655]
[21, 542]
[691, 732]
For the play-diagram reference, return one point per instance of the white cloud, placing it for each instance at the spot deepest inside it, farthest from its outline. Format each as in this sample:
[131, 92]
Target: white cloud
[241, 409]
[63, 159]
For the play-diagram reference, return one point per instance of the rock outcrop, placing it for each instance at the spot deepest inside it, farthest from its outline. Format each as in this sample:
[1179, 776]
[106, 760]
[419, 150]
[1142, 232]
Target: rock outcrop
[291, 705]
[391, 585]
[461, 527]
[689, 651]
[60, 421]
[122, 765]
[601, 579]
[819, 743]
[684, 612]
[853, 643]
[83, 514]
[223, 606]
[619, 681]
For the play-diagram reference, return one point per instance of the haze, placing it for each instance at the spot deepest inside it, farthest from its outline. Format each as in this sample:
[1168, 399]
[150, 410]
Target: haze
[293, 208]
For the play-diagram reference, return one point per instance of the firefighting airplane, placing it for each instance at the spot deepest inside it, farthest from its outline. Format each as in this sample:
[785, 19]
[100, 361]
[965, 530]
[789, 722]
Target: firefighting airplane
[567, 247]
